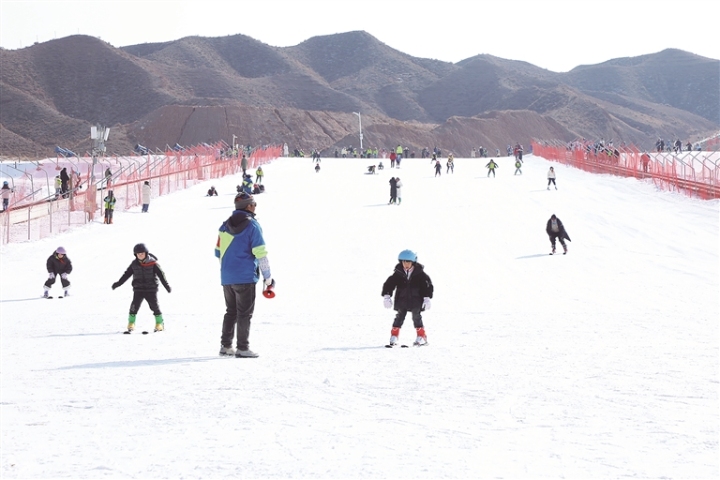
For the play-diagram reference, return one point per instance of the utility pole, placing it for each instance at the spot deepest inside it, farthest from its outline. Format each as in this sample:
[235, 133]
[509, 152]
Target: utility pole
[360, 125]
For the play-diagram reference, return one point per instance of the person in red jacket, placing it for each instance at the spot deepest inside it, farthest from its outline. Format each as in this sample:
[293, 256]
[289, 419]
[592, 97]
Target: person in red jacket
[58, 265]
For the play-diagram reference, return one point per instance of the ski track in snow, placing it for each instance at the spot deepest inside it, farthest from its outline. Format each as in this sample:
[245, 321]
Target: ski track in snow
[599, 364]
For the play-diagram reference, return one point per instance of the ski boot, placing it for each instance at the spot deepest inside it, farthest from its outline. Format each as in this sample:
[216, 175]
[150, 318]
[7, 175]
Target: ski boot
[394, 334]
[421, 337]
[66, 293]
[159, 324]
[131, 322]
[46, 293]
[553, 251]
[564, 249]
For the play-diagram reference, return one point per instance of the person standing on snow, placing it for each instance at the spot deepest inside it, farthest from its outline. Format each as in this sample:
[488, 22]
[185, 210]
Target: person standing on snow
[145, 272]
[551, 178]
[259, 175]
[6, 191]
[58, 265]
[398, 187]
[556, 230]
[413, 291]
[491, 166]
[109, 206]
[518, 166]
[244, 164]
[393, 190]
[450, 164]
[146, 193]
[438, 168]
[241, 250]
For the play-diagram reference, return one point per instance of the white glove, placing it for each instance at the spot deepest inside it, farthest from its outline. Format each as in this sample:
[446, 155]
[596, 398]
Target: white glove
[51, 275]
[63, 276]
[426, 303]
[269, 281]
[387, 301]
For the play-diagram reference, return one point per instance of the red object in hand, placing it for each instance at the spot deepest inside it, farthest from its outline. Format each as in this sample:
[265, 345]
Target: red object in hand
[269, 291]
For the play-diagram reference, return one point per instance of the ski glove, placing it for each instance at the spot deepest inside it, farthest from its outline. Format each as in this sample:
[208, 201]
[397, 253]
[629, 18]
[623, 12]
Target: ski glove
[270, 282]
[51, 275]
[115, 285]
[387, 301]
[63, 276]
[426, 303]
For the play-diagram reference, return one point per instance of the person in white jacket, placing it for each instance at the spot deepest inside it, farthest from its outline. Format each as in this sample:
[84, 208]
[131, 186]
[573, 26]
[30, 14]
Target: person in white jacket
[146, 193]
[398, 186]
[551, 178]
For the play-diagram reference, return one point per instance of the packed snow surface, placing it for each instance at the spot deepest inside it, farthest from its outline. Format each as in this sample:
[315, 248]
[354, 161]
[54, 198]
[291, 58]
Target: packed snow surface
[602, 363]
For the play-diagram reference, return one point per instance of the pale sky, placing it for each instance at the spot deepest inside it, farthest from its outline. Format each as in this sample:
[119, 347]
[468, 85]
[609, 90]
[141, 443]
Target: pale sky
[553, 34]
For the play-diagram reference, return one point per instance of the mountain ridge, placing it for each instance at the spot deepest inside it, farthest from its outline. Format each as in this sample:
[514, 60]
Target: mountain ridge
[306, 94]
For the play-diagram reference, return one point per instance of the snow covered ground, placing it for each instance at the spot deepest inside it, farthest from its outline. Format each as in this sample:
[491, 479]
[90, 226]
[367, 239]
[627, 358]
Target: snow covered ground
[599, 364]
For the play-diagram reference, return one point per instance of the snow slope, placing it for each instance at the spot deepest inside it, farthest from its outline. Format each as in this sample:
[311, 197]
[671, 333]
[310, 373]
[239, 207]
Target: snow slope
[599, 364]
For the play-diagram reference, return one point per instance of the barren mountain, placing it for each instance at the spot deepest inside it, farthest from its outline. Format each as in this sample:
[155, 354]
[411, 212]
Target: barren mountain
[207, 89]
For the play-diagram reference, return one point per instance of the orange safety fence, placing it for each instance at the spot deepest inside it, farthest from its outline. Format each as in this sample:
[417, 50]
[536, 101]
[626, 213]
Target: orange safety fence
[37, 209]
[694, 173]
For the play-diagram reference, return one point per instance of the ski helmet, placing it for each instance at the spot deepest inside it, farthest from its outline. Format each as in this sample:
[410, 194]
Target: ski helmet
[61, 251]
[5, 182]
[408, 255]
[140, 248]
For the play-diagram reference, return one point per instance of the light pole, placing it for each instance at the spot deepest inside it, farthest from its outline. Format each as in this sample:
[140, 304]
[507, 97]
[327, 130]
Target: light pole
[360, 125]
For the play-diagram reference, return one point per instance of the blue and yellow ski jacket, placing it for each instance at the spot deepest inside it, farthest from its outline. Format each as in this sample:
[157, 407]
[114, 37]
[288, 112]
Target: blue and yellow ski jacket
[240, 246]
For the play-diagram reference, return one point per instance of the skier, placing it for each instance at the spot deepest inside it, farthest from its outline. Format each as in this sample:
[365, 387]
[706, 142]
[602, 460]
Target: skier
[438, 168]
[556, 230]
[518, 166]
[450, 164]
[109, 206]
[491, 166]
[146, 192]
[398, 186]
[145, 272]
[393, 190]
[212, 192]
[551, 178]
[58, 265]
[6, 191]
[317, 167]
[259, 175]
[413, 291]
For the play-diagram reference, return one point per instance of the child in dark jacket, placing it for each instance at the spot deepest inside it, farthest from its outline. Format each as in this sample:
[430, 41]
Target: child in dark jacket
[413, 291]
[145, 272]
[58, 265]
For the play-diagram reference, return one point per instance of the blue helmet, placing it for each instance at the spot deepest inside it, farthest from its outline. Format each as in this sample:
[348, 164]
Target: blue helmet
[408, 255]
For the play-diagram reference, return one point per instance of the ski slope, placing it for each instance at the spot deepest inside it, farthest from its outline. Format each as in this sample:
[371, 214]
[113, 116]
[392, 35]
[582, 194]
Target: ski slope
[599, 364]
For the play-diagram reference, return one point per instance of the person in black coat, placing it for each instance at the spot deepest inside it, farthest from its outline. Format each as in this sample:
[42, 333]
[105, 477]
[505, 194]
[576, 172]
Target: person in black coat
[58, 265]
[393, 190]
[556, 230]
[413, 291]
[145, 272]
[64, 179]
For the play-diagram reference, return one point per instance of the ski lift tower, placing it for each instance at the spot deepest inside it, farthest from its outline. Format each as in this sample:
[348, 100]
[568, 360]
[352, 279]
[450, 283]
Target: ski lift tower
[99, 136]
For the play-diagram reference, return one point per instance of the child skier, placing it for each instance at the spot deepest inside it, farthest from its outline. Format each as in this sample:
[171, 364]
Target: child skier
[109, 206]
[145, 272]
[413, 291]
[58, 265]
[518, 166]
[491, 166]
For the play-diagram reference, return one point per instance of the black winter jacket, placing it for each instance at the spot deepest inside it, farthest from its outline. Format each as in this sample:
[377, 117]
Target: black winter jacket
[145, 275]
[58, 265]
[409, 294]
[562, 233]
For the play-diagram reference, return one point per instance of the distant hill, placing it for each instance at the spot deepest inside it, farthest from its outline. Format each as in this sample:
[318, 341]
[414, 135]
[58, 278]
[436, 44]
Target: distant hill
[205, 89]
